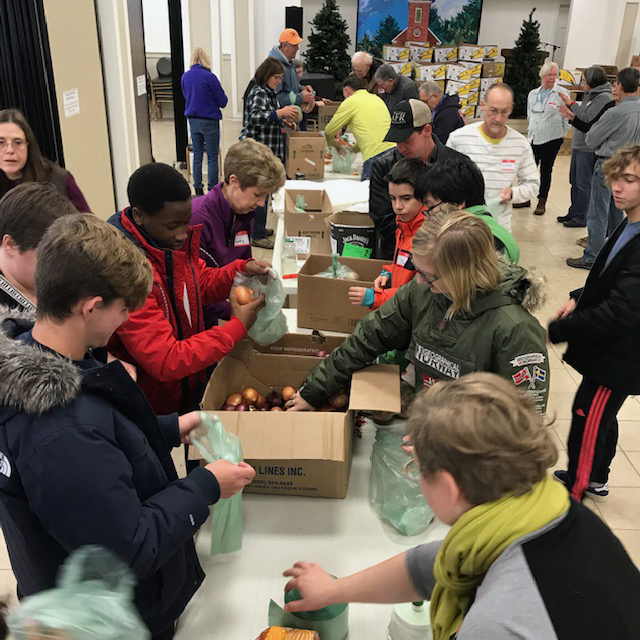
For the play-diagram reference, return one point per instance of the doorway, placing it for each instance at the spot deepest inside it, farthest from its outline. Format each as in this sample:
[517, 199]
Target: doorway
[560, 37]
[623, 58]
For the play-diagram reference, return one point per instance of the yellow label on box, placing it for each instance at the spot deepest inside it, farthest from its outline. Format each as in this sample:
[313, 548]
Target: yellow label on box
[491, 52]
[473, 72]
[468, 112]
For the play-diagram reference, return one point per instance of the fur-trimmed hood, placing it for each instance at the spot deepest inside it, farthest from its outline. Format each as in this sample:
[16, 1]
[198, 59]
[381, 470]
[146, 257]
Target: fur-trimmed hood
[32, 380]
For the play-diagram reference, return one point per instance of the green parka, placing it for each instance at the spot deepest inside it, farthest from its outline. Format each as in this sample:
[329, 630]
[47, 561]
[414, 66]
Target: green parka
[498, 335]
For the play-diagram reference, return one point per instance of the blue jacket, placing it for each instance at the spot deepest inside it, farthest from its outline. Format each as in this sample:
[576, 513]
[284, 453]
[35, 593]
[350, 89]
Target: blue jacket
[290, 80]
[84, 460]
[203, 94]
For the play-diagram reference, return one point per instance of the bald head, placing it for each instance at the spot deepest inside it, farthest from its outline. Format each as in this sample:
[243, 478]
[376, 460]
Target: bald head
[361, 62]
[497, 106]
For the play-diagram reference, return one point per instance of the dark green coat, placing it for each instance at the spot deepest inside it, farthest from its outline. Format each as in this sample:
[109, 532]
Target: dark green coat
[499, 335]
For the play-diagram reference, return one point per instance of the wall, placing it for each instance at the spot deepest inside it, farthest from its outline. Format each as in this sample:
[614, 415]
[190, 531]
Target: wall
[269, 23]
[77, 65]
[156, 25]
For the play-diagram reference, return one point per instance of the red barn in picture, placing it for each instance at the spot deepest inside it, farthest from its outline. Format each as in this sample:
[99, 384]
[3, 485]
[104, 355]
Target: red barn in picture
[417, 30]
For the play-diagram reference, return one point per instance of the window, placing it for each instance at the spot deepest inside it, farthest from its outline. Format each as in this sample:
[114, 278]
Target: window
[419, 14]
[417, 33]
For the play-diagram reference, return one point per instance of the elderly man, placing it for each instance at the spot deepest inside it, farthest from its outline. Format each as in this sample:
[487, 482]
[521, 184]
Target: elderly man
[396, 88]
[445, 110]
[285, 52]
[364, 65]
[368, 119]
[501, 153]
[411, 130]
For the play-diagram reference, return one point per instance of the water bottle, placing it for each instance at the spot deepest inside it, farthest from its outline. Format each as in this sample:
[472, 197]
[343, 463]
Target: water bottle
[410, 621]
[288, 260]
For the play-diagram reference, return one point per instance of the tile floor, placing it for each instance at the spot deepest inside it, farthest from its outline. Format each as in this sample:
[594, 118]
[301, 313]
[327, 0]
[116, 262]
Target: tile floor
[545, 244]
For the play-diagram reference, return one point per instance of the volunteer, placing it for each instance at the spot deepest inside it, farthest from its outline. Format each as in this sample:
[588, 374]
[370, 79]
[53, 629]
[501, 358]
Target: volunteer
[465, 311]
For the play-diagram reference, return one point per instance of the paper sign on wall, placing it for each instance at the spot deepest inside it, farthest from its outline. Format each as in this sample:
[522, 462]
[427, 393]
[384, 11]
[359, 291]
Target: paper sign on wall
[141, 81]
[71, 102]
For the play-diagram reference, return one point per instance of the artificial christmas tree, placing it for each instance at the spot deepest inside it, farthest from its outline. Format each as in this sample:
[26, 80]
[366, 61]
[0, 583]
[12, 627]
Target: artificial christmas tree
[524, 64]
[328, 43]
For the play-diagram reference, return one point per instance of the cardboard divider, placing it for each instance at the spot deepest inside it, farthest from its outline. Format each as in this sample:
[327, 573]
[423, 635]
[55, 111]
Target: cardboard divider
[323, 303]
[294, 453]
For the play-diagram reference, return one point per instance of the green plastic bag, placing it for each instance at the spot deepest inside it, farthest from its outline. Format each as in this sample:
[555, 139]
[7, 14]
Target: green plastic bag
[338, 271]
[394, 485]
[214, 443]
[343, 162]
[92, 601]
[271, 323]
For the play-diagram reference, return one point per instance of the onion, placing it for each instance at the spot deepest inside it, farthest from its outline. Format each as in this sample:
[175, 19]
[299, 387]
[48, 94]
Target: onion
[274, 399]
[250, 395]
[243, 406]
[234, 399]
[228, 407]
[261, 401]
[339, 400]
[321, 353]
[275, 409]
[288, 393]
[243, 294]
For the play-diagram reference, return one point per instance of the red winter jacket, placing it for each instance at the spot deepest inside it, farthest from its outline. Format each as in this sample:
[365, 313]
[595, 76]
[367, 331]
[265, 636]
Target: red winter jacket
[402, 269]
[166, 339]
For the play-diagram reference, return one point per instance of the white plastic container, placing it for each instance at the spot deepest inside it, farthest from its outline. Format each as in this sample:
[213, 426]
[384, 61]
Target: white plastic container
[288, 260]
[410, 621]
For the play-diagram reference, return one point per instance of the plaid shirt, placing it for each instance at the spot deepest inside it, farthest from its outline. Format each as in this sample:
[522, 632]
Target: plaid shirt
[543, 111]
[260, 122]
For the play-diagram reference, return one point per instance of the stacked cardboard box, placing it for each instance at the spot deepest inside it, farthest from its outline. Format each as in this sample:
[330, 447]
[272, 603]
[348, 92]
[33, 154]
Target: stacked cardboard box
[395, 54]
[420, 53]
[431, 71]
[402, 68]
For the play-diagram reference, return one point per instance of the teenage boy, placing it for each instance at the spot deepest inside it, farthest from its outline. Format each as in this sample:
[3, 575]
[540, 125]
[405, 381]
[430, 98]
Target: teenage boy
[226, 213]
[166, 339]
[83, 458]
[26, 212]
[600, 322]
[460, 182]
[406, 190]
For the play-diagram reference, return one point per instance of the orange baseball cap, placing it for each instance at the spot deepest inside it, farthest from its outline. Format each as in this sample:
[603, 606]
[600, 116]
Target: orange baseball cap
[290, 36]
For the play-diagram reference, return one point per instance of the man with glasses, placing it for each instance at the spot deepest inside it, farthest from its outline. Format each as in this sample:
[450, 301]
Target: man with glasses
[502, 154]
[364, 65]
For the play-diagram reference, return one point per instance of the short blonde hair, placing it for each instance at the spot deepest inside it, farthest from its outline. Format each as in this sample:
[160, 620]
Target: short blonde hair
[485, 433]
[201, 57]
[615, 166]
[80, 257]
[255, 165]
[461, 247]
[547, 66]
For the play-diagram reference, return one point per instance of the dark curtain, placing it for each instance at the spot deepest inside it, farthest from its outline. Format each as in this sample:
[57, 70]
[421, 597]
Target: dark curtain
[177, 69]
[26, 72]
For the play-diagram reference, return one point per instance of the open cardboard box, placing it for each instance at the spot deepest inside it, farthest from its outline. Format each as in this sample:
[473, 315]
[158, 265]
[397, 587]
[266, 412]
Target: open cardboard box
[295, 453]
[310, 224]
[323, 303]
[326, 111]
[305, 154]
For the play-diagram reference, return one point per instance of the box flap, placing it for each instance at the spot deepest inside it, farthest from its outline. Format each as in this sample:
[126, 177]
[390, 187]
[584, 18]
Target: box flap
[376, 388]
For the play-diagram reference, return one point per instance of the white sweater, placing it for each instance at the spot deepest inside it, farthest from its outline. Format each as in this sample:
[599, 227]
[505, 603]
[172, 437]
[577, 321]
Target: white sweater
[500, 164]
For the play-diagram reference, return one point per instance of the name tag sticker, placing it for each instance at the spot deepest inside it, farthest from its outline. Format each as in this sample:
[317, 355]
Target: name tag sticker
[402, 258]
[241, 239]
[508, 166]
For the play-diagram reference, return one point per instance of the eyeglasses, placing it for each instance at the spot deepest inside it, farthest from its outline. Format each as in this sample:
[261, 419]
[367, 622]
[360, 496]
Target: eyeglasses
[429, 278]
[498, 112]
[17, 143]
[432, 207]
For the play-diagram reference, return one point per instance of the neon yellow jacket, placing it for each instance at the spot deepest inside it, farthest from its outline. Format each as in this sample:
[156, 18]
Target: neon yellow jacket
[368, 118]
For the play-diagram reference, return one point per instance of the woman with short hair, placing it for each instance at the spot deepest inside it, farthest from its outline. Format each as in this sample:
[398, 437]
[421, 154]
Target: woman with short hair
[465, 311]
[547, 127]
[521, 559]
[204, 98]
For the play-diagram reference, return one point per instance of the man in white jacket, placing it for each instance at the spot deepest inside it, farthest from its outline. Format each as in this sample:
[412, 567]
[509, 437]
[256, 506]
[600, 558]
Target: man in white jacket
[501, 153]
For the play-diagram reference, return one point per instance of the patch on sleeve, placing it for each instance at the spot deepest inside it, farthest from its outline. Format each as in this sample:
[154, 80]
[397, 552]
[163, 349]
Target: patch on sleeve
[527, 358]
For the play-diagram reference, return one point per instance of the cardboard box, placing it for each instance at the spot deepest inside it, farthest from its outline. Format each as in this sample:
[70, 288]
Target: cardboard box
[445, 54]
[463, 89]
[490, 51]
[310, 225]
[402, 68]
[485, 83]
[395, 54]
[420, 54]
[472, 99]
[471, 52]
[305, 154]
[300, 454]
[323, 303]
[326, 112]
[493, 69]
[479, 114]
[468, 111]
[463, 72]
[571, 76]
[433, 71]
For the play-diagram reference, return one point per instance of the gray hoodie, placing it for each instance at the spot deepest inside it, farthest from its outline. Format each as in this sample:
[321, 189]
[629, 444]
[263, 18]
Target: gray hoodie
[290, 81]
[591, 105]
[617, 128]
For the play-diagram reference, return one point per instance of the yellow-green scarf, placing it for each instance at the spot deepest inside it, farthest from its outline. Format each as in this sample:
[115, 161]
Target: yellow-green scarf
[477, 539]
